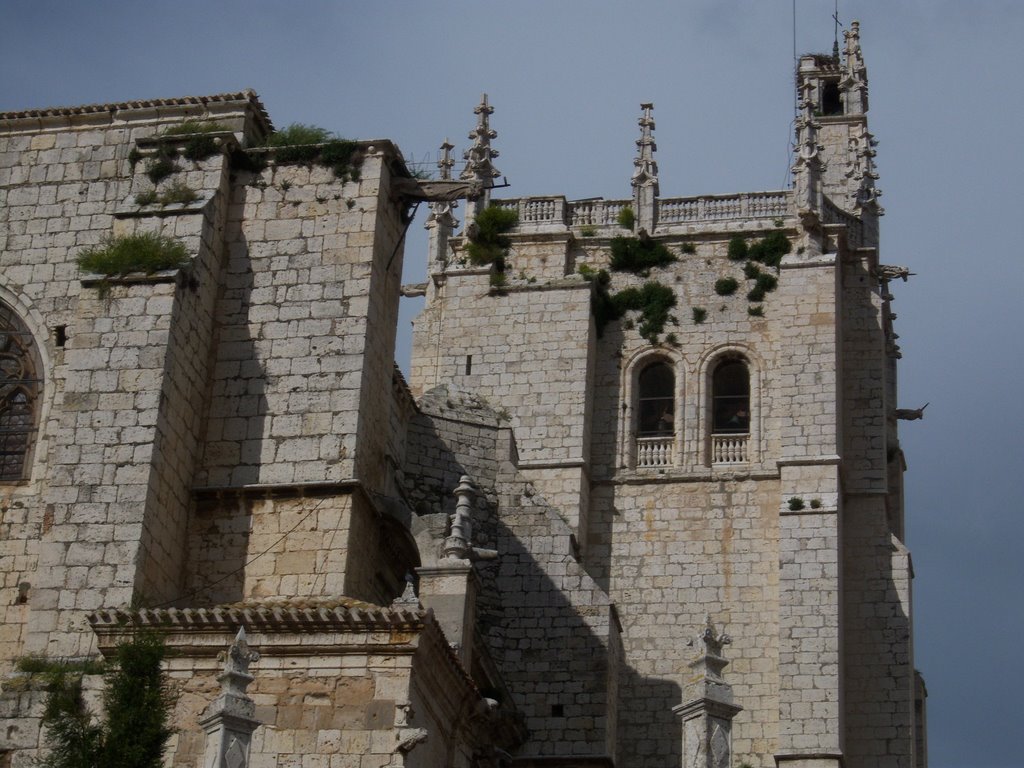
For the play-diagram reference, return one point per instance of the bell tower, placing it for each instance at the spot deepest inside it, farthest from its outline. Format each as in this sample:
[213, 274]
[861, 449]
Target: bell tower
[833, 92]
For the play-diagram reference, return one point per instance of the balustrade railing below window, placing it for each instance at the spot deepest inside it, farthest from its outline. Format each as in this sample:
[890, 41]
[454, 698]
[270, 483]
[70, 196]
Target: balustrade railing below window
[655, 451]
[729, 449]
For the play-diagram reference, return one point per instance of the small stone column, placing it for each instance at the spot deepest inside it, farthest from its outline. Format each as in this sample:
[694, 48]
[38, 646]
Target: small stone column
[450, 587]
[230, 720]
[708, 708]
[441, 220]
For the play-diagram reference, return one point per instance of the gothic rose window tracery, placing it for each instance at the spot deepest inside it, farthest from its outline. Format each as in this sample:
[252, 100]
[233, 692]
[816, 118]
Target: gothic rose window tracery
[20, 385]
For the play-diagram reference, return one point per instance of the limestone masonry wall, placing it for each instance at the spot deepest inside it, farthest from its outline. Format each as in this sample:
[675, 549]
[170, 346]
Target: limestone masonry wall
[578, 537]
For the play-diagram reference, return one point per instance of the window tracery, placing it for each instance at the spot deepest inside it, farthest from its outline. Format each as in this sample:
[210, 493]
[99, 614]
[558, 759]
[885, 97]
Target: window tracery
[20, 387]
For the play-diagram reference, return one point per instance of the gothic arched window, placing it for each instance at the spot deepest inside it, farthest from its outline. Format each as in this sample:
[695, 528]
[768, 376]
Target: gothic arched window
[20, 387]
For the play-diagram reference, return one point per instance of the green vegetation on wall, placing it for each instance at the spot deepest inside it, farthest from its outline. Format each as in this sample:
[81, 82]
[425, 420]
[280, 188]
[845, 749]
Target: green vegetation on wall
[136, 701]
[638, 254]
[299, 143]
[142, 252]
[487, 241]
[626, 218]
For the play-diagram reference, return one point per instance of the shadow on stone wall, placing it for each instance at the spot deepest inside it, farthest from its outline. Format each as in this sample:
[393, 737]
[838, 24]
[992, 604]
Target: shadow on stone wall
[547, 624]
[236, 412]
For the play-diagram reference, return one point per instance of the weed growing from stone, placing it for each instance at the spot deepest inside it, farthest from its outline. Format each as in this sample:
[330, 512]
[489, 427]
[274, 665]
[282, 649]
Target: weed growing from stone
[179, 192]
[699, 315]
[162, 165]
[200, 145]
[626, 218]
[299, 143]
[149, 197]
[142, 252]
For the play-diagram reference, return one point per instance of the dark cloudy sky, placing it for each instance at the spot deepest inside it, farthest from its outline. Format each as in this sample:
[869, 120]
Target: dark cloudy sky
[566, 78]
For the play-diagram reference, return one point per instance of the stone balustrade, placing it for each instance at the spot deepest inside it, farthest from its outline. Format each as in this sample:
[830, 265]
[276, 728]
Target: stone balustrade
[556, 212]
[729, 449]
[655, 451]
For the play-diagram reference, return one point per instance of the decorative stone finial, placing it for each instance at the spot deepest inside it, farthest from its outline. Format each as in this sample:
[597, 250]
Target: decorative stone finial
[479, 158]
[708, 707]
[230, 720]
[446, 162]
[645, 168]
[645, 172]
[236, 677]
[808, 166]
[459, 543]
[709, 645]
[861, 171]
[408, 598]
[854, 84]
[441, 221]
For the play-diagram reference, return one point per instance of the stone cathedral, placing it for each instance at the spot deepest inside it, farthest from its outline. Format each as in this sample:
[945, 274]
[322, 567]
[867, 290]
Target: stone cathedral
[637, 505]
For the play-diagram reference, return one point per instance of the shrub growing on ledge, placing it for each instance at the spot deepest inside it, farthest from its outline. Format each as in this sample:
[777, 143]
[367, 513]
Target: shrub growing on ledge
[200, 145]
[638, 255]
[726, 286]
[770, 249]
[626, 218]
[142, 252]
[488, 242]
[299, 143]
[653, 301]
[737, 248]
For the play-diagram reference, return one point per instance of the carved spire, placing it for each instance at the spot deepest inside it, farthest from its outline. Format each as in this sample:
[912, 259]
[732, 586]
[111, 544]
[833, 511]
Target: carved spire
[854, 84]
[808, 166]
[479, 157]
[645, 172]
[441, 221]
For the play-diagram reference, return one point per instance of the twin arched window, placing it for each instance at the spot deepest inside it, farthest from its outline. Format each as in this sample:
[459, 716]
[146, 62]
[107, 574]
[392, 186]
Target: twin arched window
[20, 387]
[657, 441]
